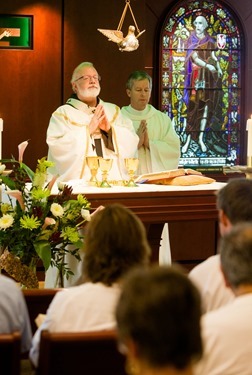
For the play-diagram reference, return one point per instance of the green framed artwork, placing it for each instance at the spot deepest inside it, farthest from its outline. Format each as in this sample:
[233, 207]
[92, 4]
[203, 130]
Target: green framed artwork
[16, 31]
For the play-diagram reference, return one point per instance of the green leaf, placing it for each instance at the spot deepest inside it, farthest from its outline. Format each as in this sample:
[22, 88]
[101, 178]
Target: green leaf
[13, 161]
[43, 249]
[28, 170]
[79, 244]
[8, 182]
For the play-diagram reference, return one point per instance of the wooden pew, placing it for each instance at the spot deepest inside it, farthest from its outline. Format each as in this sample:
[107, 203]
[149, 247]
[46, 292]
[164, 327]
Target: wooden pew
[10, 349]
[80, 353]
[38, 301]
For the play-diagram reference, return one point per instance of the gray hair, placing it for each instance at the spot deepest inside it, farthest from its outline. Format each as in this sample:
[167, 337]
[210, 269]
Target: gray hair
[82, 65]
[236, 255]
[137, 75]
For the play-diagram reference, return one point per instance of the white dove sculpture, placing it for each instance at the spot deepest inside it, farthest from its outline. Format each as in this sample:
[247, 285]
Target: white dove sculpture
[128, 43]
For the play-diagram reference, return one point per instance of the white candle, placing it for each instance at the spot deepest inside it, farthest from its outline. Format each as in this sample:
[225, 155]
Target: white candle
[249, 130]
[1, 129]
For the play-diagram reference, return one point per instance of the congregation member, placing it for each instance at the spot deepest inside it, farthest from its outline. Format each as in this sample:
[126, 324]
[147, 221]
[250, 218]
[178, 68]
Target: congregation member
[13, 312]
[87, 126]
[159, 145]
[115, 241]
[158, 320]
[234, 204]
[227, 331]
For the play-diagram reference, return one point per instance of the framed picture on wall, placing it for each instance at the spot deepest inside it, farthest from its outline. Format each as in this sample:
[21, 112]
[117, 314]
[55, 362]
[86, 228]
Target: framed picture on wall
[16, 31]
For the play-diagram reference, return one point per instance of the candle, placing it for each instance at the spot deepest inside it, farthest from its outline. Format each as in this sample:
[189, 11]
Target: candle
[249, 142]
[1, 129]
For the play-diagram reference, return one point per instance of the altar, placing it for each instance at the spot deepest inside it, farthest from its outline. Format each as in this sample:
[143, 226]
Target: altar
[190, 211]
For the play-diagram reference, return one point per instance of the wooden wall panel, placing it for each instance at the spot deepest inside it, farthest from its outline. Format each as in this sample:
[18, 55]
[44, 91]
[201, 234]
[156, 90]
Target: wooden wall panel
[31, 80]
[114, 66]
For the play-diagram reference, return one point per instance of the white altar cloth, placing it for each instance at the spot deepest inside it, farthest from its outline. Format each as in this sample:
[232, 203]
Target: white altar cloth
[82, 187]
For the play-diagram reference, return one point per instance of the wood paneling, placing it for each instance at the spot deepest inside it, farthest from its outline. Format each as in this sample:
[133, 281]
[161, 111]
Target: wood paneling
[84, 43]
[31, 80]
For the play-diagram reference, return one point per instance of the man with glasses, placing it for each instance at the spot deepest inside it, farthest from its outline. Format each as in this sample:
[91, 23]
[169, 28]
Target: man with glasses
[88, 126]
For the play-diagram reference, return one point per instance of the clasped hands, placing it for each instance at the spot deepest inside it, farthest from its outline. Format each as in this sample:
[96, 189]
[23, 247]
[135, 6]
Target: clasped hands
[99, 121]
[142, 133]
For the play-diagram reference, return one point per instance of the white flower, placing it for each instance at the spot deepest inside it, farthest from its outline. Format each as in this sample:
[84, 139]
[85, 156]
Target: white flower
[57, 210]
[85, 214]
[60, 185]
[6, 221]
[2, 168]
[21, 149]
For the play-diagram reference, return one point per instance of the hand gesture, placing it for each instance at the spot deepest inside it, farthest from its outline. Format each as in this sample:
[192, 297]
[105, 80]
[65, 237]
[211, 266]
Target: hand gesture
[142, 130]
[99, 121]
[146, 139]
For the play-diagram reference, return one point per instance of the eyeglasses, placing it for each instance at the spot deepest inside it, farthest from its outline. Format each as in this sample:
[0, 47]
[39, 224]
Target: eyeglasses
[88, 78]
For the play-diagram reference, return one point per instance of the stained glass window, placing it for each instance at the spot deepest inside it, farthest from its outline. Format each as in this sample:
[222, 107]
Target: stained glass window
[201, 82]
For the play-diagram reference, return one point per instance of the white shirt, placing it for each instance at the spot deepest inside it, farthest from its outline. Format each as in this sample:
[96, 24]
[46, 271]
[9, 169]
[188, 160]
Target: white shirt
[87, 307]
[13, 312]
[227, 339]
[207, 276]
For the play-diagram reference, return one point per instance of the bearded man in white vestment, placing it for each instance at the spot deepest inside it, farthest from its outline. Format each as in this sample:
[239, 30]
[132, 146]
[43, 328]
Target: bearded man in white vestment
[159, 145]
[77, 126]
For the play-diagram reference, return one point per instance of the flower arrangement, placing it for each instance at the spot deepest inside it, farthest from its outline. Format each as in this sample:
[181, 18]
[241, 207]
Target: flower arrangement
[35, 224]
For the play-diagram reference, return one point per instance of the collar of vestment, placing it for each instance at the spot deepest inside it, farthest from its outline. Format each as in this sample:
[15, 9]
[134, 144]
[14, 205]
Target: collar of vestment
[145, 114]
[81, 106]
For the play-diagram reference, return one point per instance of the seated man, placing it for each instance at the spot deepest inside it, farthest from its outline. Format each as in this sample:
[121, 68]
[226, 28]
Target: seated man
[234, 203]
[158, 319]
[13, 312]
[227, 331]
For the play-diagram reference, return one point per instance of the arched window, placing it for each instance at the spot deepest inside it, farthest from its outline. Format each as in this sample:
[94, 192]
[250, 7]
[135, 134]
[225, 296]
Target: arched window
[201, 79]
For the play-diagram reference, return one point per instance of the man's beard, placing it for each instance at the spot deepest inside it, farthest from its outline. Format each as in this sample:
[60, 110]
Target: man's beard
[91, 92]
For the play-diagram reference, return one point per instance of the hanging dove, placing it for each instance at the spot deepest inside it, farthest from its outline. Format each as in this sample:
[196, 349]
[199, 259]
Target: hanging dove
[128, 43]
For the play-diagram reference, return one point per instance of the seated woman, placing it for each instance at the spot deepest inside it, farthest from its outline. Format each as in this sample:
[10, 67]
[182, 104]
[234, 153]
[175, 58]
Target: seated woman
[158, 318]
[115, 241]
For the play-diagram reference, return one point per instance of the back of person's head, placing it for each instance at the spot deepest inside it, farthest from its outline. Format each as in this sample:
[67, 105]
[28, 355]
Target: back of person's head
[235, 199]
[236, 255]
[159, 311]
[138, 75]
[115, 241]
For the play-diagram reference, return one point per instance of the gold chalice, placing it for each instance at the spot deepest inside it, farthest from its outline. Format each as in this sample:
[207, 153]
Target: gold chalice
[105, 166]
[131, 165]
[93, 165]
